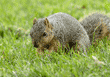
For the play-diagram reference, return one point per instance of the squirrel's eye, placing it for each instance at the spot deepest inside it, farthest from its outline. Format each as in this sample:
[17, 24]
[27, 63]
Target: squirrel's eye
[44, 34]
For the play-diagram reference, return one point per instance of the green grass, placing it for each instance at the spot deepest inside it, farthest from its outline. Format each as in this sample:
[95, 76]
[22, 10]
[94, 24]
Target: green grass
[18, 56]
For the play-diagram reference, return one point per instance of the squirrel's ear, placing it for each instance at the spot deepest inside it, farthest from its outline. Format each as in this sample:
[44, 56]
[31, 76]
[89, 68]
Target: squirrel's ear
[34, 21]
[47, 23]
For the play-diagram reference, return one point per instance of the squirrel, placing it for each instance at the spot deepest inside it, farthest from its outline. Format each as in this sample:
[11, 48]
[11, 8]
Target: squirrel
[97, 26]
[59, 29]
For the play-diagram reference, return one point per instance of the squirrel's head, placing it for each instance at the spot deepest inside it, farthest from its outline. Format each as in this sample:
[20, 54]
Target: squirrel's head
[41, 32]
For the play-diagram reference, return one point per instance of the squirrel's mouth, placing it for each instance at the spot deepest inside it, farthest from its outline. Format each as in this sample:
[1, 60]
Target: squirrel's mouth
[47, 46]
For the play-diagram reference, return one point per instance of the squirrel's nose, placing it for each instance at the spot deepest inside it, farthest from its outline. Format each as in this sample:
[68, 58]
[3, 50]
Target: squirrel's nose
[36, 45]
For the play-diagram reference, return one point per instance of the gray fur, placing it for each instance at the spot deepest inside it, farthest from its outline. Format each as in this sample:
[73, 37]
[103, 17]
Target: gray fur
[65, 28]
[95, 20]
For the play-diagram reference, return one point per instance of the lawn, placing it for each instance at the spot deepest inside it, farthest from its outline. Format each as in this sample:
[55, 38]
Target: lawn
[18, 56]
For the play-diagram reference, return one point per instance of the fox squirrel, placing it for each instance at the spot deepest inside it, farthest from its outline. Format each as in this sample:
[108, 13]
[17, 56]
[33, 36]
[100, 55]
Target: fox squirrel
[56, 30]
[97, 24]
